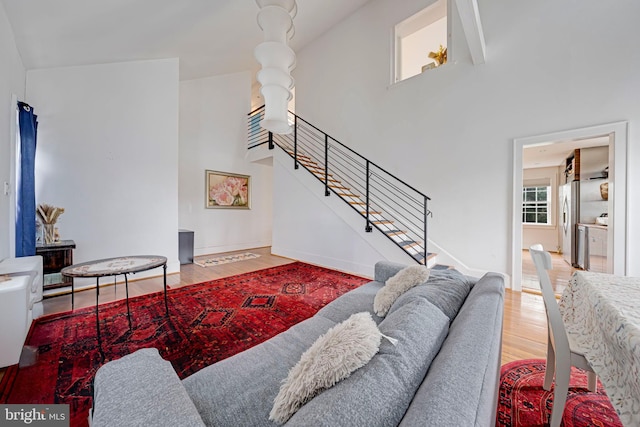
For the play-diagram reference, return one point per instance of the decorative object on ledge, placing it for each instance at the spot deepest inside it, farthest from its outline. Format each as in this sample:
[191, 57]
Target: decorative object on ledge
[604, 190]
[227, 190]
[439, 57]
[277, 60]
[49, 215]
[429, 66]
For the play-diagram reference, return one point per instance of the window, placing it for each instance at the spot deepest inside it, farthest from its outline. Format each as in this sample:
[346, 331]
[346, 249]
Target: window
[421, 41]
[536, 205]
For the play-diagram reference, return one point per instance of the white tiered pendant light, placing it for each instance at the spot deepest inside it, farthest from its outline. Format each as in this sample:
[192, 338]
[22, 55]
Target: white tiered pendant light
[277, 59]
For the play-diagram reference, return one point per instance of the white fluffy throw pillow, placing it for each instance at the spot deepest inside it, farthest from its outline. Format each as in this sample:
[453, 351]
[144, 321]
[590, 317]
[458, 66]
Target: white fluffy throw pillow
[401, 282]
[333, 357]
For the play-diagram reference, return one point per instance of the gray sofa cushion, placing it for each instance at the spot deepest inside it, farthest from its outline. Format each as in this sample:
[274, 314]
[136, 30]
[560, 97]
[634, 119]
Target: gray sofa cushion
[397, 285]
[124, 388]
[355, 301]
[462, 386]
[446, 289]
[379, 393]
[343, 349]
[384, 270]
[240, 390]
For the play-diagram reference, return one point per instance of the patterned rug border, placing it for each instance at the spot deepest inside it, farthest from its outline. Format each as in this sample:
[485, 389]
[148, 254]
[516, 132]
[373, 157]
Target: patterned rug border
[123, 301]
[225, 259]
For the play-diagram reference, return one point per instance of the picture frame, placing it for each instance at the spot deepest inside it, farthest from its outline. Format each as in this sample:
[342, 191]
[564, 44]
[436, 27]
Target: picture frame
[226, 190]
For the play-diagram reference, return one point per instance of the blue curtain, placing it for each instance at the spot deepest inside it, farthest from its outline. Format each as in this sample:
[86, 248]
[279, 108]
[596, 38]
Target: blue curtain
[26, 188]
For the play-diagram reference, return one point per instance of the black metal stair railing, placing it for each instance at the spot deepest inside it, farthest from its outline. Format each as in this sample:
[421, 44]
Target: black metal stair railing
[385, 202]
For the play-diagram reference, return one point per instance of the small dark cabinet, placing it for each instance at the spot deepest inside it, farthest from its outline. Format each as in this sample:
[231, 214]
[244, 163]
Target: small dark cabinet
[55, 257]
[185, 246]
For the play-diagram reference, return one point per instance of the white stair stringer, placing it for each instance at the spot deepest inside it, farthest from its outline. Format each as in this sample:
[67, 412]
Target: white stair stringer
[381, 221]
[315, 228]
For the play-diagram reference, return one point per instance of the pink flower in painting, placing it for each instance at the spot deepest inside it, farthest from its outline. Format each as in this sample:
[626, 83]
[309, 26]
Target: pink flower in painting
[220, 195]
[224, 198]
[232, 191]
[233, 185]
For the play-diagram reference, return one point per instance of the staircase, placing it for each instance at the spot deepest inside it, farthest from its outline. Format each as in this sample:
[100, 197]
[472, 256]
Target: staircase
[385, 203]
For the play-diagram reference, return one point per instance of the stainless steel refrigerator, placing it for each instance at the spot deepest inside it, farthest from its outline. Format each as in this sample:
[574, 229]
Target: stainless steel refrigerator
[569, 217]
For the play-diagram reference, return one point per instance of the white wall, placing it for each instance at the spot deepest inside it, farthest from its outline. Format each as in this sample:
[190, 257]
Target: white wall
[547, 235]
[550, 66]
[12, 83]
[108, 153]
[213, 135]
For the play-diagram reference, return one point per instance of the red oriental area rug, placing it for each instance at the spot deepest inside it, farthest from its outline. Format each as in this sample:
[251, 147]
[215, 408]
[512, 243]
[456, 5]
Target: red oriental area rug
[524, 403]
[207, 322]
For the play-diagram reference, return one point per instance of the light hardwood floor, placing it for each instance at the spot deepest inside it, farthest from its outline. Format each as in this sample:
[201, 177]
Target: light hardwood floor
[559, 274]
[524, 331]
[189, 274]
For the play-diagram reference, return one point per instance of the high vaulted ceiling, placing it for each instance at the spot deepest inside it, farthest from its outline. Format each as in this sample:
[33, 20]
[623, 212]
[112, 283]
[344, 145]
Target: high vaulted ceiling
[211, 37]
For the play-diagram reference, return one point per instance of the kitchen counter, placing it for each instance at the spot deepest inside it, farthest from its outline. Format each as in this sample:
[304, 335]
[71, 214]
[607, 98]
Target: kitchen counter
[603, 227]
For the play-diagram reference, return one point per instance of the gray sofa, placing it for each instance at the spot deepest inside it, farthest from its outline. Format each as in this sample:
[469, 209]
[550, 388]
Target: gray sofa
[443, 371]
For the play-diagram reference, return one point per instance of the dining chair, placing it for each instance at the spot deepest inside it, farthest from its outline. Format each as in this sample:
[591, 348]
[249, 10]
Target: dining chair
[562, 352]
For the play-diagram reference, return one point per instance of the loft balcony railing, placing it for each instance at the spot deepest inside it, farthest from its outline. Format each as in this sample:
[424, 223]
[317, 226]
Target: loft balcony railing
[384, 201]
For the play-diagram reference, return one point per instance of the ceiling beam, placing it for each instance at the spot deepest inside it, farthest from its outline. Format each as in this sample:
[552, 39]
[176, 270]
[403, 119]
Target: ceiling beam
[470, 17]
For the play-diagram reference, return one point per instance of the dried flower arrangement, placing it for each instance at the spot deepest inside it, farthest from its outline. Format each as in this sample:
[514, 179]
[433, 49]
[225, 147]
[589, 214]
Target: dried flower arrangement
[49, 215]
[440, 57]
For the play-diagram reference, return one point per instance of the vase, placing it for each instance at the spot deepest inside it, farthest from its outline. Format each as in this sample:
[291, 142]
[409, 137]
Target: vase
[604, 191]
[49, 233]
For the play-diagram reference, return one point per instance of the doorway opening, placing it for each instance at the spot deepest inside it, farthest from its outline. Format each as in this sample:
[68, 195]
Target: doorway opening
[531, 150]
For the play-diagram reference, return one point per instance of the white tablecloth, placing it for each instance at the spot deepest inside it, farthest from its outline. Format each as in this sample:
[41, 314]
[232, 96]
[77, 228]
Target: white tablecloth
[602, 313]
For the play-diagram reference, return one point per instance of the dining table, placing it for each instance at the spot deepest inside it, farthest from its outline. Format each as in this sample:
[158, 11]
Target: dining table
[602, 314]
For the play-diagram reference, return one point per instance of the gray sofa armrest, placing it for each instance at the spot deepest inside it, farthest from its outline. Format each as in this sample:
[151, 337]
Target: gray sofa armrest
[141, 389]
[384, 270]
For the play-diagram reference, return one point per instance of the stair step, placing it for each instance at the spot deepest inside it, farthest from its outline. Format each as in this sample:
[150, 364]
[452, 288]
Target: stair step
[382, 222]
[321, 173]
[420, 256]
[315, 167]
[321, 177]
[353, 202]
[339, 187]
[410, 244]
[371, 213]
[309, 163]
[395, 232]
[300, 156]
[353, 196]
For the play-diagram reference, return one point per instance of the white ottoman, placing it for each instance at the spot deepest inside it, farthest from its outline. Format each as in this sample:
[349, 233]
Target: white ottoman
[32, 266]
[14, 318]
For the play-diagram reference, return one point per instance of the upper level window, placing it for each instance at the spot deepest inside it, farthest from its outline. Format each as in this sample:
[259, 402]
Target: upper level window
[421, 41]
[536, 205]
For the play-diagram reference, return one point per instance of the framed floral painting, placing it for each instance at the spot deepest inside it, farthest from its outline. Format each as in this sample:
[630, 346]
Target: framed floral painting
[227, 190]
